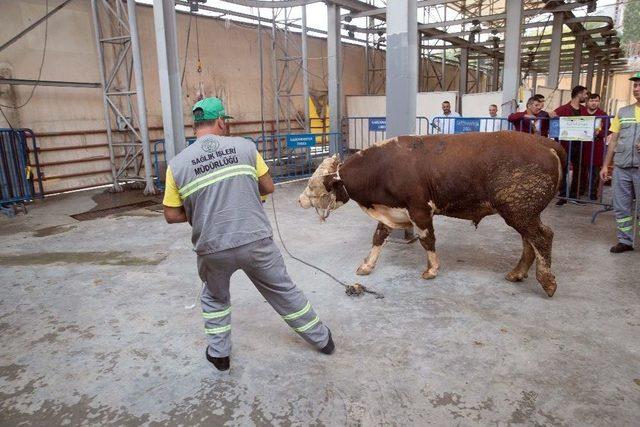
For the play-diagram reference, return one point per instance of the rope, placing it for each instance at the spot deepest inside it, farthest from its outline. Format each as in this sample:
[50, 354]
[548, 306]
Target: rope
[349, 289]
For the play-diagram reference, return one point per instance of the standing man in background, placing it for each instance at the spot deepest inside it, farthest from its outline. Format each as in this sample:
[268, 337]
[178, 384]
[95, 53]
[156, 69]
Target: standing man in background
[573, 148]
[493, 123]
[528, 121]
[624, 151]
[542, 114]
[593, 152]
[446, 122]
[215, 184]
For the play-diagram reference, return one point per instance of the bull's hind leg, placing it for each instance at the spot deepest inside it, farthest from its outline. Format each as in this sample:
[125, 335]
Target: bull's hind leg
[521, 271]
[541, 238]
[379, 237]
[423, 221]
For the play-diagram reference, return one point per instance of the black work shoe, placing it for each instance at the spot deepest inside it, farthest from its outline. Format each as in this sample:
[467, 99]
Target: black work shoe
[330, 347]
[620, 247]
[221, 363]
[561, 202]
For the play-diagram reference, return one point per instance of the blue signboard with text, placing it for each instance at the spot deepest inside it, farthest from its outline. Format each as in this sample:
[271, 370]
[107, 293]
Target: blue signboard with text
[463, 125]
[301, 140]
[377, 124]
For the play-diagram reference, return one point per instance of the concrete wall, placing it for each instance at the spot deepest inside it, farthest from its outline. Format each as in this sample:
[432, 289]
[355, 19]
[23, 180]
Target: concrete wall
[70, 121]
[229, 54]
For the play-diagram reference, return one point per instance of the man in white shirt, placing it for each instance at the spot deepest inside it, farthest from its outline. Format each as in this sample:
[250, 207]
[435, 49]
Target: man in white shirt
[493, 123]
[446, 122]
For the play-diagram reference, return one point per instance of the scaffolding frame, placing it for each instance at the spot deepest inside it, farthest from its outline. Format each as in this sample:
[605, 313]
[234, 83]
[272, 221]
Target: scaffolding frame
[125, 113]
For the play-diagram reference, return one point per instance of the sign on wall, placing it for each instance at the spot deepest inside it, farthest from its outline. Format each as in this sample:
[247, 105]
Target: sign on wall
[377, 124]
[301, 140]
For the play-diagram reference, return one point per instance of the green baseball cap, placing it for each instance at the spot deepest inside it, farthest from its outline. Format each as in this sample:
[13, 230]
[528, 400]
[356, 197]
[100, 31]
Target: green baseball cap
[209, 109]
[635, 77]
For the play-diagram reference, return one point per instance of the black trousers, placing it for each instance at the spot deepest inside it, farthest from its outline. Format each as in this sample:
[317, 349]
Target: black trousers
[574, 150]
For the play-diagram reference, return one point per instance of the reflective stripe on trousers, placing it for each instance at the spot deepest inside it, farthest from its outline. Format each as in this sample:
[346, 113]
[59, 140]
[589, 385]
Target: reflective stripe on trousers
[626, 187]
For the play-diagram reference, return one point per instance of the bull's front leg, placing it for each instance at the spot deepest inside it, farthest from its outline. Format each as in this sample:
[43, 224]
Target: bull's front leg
[423, 221]
[379, 237]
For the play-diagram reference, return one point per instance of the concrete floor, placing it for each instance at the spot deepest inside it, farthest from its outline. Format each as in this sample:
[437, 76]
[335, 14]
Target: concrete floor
[95, 329]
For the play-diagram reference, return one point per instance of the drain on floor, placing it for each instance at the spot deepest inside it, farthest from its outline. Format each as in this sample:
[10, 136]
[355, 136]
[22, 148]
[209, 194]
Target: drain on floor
[101, 213]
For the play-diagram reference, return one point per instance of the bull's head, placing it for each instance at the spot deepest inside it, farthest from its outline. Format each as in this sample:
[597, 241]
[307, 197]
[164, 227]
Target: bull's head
[325, 190]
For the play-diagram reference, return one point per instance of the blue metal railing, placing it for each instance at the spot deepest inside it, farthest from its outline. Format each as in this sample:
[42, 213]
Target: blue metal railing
[17, 175]
[297, 155]
[362, 132]
[289, 156]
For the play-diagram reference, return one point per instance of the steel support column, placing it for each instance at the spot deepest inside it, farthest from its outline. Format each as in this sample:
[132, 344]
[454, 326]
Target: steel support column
[590, 69]
[142, 104]
[511, 69]
[556, 46]
[605, 85]
[305, 70]
[534, 81]
[577, 62]
[402, 67]
[495, 74]
[164, 19]
[463, 74]
[334, 61]
[598, 88]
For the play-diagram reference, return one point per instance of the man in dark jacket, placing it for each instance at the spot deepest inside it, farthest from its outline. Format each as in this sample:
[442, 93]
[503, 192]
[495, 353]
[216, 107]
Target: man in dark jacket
[593, 152]
[573, 148]
[530, 121]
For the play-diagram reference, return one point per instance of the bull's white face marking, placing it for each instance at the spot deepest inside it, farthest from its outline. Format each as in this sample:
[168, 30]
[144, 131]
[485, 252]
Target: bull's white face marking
[391, 217]
[315, 194]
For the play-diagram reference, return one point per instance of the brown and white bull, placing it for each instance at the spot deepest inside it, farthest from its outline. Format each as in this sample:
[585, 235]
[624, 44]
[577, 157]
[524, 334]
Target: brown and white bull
[403, 182]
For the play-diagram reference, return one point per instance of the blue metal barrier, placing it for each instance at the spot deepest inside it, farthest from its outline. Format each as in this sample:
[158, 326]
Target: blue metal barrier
[291, 156]
[17, 175]
[160, 163]
[362, 132]
[455, 125]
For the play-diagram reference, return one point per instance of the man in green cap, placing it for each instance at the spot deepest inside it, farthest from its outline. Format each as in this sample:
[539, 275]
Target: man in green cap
[624, 148]
[215, 184]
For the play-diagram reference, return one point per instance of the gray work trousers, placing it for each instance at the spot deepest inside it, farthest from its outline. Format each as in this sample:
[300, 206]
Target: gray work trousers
[263, 264]
[626, 187]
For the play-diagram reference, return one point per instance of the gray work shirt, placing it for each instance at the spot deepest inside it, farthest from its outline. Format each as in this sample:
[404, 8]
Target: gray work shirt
[626, 155]
[217, 181]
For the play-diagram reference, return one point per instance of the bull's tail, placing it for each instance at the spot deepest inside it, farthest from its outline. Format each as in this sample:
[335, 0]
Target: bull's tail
[559, 152]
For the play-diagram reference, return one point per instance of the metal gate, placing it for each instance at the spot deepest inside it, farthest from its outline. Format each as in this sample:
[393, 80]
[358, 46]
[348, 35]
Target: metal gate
[18, 174]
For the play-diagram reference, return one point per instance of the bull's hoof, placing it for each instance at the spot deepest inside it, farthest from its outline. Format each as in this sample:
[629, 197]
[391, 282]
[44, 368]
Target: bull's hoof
[428, 275]
[548, 282]
[550, 288]
[516, 276]
[364, 270]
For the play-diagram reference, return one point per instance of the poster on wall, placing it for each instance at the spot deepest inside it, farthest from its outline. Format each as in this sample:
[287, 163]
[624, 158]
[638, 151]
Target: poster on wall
[577, 128]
